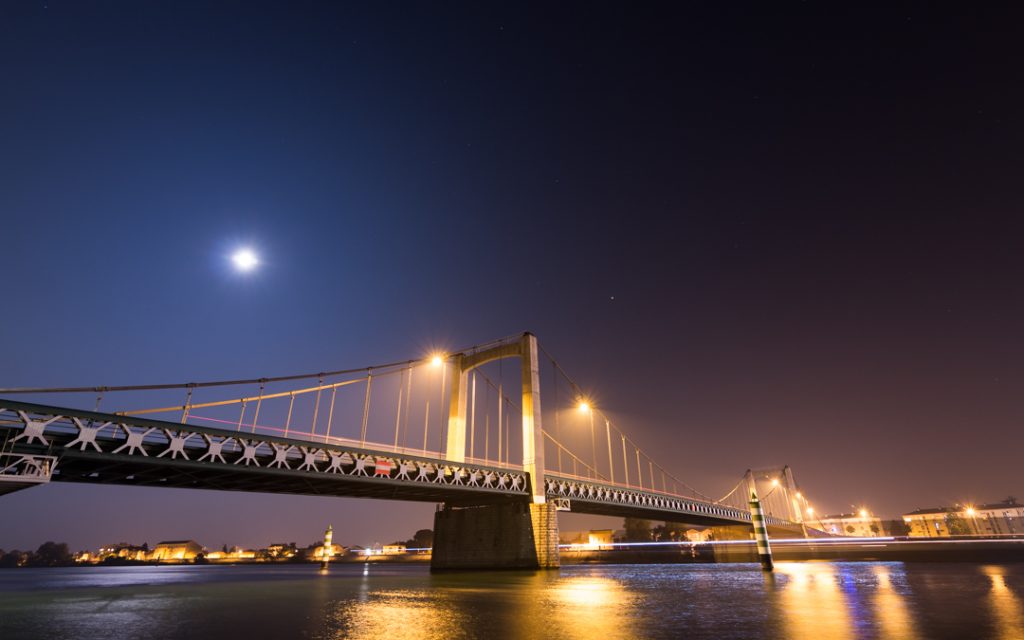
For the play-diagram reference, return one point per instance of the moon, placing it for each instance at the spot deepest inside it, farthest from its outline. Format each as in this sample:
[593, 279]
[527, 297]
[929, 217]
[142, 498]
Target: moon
[245, 260]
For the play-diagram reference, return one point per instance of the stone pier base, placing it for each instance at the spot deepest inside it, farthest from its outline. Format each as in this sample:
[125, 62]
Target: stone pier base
[515, 535]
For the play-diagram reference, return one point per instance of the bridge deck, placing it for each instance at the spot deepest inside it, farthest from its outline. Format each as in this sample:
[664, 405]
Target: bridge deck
[102, 448]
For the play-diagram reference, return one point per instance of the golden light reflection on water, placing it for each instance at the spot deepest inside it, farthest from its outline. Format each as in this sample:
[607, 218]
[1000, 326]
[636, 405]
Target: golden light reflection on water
[400, 615]
[891, 611]
[812, 606]
[808, 600]
[1007, 612]
[587, 607]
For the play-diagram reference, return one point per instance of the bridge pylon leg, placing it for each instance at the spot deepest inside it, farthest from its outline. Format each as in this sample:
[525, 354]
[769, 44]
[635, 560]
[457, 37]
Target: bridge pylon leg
[456, 449]
[506, 535]
[764, 550]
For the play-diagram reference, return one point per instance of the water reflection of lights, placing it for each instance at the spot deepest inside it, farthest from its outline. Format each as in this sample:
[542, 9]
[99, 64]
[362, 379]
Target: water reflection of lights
[587, 607]
[399, 615]
[1006, 607]
[811, 603]
[588, 592]
[894, 619]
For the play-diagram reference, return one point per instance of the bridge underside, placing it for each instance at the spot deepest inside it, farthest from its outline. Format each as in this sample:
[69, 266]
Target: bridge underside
[113, 469]
[648, 513]
[99, 468]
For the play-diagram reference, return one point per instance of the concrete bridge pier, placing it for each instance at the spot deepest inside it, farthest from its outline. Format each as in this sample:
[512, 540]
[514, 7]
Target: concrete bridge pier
[508, 535]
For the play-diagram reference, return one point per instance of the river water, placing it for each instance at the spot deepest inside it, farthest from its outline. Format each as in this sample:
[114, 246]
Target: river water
[826, 601]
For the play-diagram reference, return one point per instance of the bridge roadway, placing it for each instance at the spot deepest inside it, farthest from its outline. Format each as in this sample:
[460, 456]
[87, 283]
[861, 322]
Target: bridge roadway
[103, 448]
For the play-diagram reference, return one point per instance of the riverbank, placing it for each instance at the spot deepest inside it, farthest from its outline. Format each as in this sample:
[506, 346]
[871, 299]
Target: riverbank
[983, 550]
[833, 549]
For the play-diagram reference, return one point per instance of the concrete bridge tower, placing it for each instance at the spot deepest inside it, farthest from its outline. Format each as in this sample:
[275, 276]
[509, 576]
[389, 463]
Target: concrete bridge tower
[502, 534]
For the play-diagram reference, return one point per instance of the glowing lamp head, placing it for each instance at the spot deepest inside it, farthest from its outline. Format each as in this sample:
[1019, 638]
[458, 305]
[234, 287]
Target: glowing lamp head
[863, 513]
[583, 406]
[970, 511]
[436, 360]
[810, 511]
[245, 260]
[775, 482]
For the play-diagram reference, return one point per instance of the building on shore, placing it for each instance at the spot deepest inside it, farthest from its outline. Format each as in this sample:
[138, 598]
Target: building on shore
[929, 523]
[122, 551]
[999, 518]
[176, 551]
[235, 554]
[279, 551]
[593, 539]
[859, 525]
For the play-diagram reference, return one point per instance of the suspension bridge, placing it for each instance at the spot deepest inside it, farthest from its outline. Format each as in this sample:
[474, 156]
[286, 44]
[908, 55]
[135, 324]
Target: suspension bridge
[461, 429]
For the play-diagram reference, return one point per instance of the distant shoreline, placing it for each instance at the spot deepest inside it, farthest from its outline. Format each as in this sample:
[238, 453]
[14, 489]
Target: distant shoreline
[734, 551]
[412, 558]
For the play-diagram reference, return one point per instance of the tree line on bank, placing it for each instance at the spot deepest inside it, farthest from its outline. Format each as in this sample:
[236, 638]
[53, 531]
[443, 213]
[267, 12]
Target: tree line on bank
[640, 530]
[49, 554]
[422, 539]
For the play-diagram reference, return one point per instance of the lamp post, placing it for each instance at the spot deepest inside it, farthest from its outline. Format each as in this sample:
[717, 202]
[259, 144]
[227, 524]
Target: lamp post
[593, 443]
[584, 407]
[611, 465]
[971, 513]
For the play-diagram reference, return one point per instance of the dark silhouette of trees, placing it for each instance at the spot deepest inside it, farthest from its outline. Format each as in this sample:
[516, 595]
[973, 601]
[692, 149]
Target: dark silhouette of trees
[11, 559]
[669, 532]
[51, 554]
[637, 530]
[422, 539]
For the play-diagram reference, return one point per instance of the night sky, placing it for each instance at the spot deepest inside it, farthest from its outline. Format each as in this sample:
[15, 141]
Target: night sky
[760, 235]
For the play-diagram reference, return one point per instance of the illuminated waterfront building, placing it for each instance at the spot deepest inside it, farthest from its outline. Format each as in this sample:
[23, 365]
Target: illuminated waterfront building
[1000, 518]
[121, 550]
[595, 538]
[279, 550]
[234, 555]
[176, 551]
[860, 525]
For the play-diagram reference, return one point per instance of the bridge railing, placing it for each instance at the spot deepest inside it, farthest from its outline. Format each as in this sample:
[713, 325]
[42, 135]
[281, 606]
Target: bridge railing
[38, 424]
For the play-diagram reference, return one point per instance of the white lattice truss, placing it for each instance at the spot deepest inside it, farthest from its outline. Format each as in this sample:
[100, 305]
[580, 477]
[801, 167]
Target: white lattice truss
[253, 450]
[26, 468]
